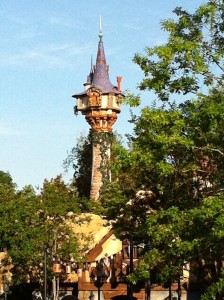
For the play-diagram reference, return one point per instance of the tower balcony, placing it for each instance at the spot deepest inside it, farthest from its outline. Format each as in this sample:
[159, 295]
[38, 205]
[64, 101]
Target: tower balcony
[99, 102]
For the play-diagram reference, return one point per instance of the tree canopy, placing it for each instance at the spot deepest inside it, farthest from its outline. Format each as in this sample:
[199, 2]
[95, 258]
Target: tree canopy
[80, 159]
[7, 186]
[168, 185]
[192, 59]
[30, 220]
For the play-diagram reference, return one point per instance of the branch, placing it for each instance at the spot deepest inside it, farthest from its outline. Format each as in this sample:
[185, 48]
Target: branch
[210, 149]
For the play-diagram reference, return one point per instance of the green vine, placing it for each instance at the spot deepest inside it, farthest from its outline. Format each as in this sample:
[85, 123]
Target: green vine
[105, 140]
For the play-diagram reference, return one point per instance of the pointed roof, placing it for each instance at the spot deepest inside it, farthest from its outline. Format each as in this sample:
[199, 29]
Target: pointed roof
[90, 76]
[101, 78]
[99, 73]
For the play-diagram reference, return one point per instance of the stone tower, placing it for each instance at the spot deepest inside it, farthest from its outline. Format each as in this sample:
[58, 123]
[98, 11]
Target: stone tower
[100, 102]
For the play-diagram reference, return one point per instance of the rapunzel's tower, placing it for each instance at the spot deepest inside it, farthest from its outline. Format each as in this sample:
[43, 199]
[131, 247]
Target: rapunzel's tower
[100, 102]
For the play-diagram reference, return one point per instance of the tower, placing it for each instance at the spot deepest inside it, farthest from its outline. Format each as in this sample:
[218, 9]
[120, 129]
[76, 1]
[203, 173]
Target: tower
[100, 103]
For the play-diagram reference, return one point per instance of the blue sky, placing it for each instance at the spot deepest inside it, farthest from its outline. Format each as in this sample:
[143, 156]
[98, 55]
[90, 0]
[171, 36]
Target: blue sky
[45, 56]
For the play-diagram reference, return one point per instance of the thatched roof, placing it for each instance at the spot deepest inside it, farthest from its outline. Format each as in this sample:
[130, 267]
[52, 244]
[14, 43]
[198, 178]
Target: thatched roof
[96, 236]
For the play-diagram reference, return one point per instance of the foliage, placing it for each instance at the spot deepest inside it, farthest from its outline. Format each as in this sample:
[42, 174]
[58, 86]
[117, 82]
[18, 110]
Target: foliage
[7, 186]
[192, 59]
[80, 159]
[193, 235]
[6, 179]
[214, 290]
[114, 194]
[29, 221]
[168, 186]
[130, 99]
[105, 141]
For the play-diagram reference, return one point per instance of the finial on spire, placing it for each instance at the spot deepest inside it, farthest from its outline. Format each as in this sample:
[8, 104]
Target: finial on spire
[101, 33]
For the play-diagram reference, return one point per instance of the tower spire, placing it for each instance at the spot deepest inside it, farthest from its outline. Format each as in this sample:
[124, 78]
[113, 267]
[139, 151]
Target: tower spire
[101, 32]
[91, 70]
[100, 23]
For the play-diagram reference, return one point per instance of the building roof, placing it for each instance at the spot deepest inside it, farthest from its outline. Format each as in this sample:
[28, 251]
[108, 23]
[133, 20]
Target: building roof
[95, 236]
[101, 78]
[99, 73]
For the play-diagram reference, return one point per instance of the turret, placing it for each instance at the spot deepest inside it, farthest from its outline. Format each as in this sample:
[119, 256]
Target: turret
[100, 103]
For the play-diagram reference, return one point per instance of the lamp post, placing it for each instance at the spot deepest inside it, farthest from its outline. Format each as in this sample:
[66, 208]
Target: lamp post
[98, 276]
[131, 269]
[6, 287]
[57, 271]
[148, 289]
[170, 289]
[45, 271]
[180, 275]
[179, 289]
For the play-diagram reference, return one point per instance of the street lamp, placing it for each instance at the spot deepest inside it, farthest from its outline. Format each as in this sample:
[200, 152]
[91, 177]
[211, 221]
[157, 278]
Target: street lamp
[179, 289]
[6, 287]
[57, 271]
[45, 271]
[131, 269]
[98, 276]
[148, 289]
[180, 275]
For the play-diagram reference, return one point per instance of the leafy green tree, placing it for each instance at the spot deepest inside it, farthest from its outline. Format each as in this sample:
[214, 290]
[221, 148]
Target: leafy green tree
[7, 186]
[176, 155]
[192, 59]
[5, 178]
[80, 159]
[30, 220]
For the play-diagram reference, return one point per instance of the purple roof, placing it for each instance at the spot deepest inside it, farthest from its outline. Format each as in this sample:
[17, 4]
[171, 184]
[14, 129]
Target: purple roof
[99, 76]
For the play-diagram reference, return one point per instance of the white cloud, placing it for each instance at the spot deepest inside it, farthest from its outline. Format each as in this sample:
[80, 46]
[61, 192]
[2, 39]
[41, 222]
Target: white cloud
[134, 26]
[112, 51]
[46, 56]
[60, 21]
[4, 130]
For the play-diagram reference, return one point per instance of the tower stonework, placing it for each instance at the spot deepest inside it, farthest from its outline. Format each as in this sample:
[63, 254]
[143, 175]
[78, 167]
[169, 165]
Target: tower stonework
[100, 103]
[96, 179]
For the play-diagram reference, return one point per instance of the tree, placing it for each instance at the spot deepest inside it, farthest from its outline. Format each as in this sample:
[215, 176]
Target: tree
[80, 159]
[192, 59]
[176, 153]
[5, 178]
[7, 186]
[30, 220]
